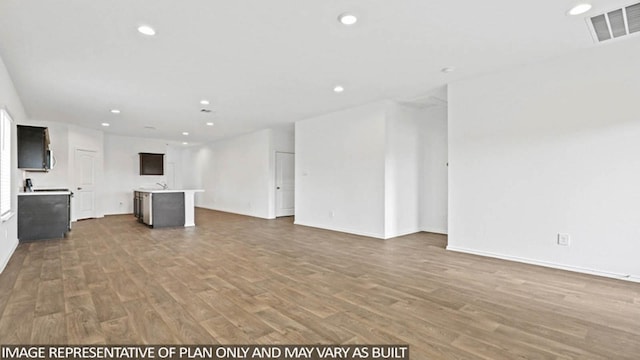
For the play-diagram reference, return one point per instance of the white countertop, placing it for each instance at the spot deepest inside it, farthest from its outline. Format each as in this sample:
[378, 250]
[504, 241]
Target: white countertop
[44, 193]
[168, 190]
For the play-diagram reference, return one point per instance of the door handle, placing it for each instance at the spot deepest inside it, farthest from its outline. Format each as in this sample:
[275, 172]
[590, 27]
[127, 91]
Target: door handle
[278, 188]
[79, 188]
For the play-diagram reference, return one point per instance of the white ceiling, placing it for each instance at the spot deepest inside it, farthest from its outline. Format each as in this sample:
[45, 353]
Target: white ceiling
[261, 63]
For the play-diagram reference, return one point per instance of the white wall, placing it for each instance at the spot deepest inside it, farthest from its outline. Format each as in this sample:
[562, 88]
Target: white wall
[340, 170]
[284, 139]
[433, 191]
[117, 172]
[122, 172]
[58, 177]
[9, 229]
[380, 169]
[402, 171]
[65, 139]
[547, 149]
[235, 174]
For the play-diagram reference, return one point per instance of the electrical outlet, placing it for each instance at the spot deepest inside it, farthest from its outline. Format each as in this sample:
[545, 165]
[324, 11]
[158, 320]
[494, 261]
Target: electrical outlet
[563, 239]
[332, 214]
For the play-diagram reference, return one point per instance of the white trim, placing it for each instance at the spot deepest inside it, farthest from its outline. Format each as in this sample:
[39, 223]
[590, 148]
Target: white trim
[233, 212]
[6, 193]
[440, 231]
[627, 277]
[7, 216]
[402, 233]
[5, 261]
[348, 231]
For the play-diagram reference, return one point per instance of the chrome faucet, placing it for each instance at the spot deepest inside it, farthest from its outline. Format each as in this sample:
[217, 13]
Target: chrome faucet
[164, 186]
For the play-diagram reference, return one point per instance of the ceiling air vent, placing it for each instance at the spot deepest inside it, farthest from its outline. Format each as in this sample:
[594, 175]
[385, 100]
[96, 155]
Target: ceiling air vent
[616, 23]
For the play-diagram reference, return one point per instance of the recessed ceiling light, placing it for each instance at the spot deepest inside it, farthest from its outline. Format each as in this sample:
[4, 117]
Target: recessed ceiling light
[448, 69]
[146, 30]
[338, 89]
[579, 9]
[105, 124]
[185, 143]
[185, 133]
[209, 124]
[204, 102]
[115, 111]
[347, 19]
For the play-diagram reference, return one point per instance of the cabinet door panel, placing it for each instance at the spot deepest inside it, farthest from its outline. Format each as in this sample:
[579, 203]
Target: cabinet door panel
[42, 216]
[31, 147]
[168, 209]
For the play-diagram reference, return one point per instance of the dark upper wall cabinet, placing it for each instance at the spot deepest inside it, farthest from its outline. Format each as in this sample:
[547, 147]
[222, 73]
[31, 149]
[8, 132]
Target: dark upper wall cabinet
[33, 148]
[151, 164]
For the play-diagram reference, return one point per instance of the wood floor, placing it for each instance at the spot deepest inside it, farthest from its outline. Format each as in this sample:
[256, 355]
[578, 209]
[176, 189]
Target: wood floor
[241, 280]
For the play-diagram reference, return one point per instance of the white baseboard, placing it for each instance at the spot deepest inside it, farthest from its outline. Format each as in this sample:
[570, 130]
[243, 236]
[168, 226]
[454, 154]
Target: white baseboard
[402, 233]
[339, 229]
[627, 277]
[441, 231]
[233, 212]
[6, 259]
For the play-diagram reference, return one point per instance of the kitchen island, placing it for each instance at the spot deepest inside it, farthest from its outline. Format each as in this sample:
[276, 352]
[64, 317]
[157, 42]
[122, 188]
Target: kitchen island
[165, 208]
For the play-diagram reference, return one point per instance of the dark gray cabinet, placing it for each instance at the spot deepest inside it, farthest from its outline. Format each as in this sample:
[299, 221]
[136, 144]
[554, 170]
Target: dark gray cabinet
[43, 216]
[159, 209]
[168, 209]
[151, 164]
[137, 205]
[33, 148]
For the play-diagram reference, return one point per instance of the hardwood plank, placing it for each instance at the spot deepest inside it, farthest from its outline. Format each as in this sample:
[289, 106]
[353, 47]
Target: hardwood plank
[49, 329]
[183, 325]
[74, 282]
[70, 258]
[224, 332]
[51, 269]
[148, 324]
[21, 308]
[333, 334]
[195, 306]
[16, 328]
[124, 286]
[249, 323]
[92, 273]
[292, 332]
[234, 279]
[82, 322]
[120, 331]
[50, 298]
[106, 302]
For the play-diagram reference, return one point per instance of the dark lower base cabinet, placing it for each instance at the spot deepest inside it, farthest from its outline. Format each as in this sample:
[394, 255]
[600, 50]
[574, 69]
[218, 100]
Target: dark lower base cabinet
[168, 209]
[43, 216]
[137, 205]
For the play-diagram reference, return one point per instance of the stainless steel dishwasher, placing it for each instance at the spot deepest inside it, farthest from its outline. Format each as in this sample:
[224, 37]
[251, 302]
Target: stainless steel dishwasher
[147, 214]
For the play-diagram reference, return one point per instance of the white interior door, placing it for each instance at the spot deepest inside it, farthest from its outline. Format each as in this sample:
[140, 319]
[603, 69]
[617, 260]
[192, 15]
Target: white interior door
[85, 179]
[285, 184]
